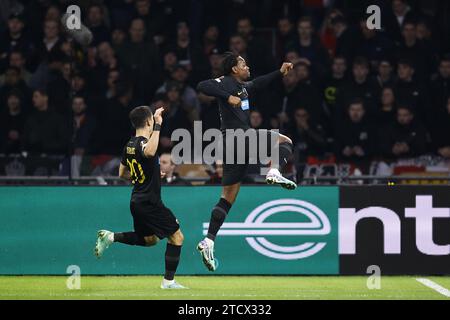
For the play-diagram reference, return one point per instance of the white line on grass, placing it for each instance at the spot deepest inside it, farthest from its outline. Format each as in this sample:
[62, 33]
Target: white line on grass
[433, 285]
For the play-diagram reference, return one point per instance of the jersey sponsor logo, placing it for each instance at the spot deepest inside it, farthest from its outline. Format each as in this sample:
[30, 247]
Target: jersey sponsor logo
[256, 228]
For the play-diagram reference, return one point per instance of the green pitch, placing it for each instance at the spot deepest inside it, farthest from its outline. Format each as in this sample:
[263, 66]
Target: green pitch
[219, 287]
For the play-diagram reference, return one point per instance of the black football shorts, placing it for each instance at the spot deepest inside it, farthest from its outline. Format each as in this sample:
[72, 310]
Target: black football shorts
[153, 219]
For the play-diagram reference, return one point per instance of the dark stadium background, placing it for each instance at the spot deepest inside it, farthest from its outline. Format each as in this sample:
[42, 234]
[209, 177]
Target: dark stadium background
[64, 109]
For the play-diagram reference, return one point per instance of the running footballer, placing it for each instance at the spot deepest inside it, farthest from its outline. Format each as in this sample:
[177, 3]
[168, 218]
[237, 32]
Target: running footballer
[152, 219]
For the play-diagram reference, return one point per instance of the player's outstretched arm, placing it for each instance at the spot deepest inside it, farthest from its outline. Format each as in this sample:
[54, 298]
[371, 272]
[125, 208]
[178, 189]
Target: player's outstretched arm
[213, 88]
[151, 146]
[263, 81]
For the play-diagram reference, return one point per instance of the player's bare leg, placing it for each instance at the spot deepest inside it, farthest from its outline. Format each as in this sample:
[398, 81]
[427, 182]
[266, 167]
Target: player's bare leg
[274, 176]
[172, 257]
[218, 216]
[105, 238]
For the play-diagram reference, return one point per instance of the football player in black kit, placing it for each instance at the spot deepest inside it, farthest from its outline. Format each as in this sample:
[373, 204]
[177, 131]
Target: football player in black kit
[231, 91]
[152, 220]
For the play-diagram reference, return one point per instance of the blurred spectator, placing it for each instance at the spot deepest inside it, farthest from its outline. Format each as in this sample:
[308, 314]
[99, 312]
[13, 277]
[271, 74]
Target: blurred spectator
[285, 102]
[53, 13]
[179, 76]
[175, 114]
[327, 34]
[215, 64]
[59, 85]
[360, 87]
[395, 19]
[309, 96]
[355, 137]
[7, 7]
[170, 61]
[440, 84]
[309, 47]
[79, 84]
[97, 25]
[187, 51]
[154, 20]
[258, 52]
[333, 84]
[170, 177]
[84, 125]
[375, 46]
[114, 114]
[12, 122]
[17, 59]
[256, 120]
[406, 137]
[409, 91]
[51, 41]
[13, 81]
[106, 61]
[346, 38]
[385, 76]
[14, 39]
[111, 83]
[308, 136]
[425, 34]
[211, 40]
[141, 58]
[423, 59]
[388, 108]
[285, 35]
[45, 131]
[441, 132]
[121, 12]
[118, 37]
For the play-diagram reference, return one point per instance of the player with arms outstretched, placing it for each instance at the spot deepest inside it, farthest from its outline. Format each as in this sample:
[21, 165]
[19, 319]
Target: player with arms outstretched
[152, 220]
[232, 91]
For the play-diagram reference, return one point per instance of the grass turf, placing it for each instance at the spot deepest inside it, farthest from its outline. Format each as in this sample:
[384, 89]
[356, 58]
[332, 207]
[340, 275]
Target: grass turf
[219, 287]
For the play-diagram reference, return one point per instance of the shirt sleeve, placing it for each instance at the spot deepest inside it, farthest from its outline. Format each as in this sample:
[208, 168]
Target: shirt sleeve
[213, 88]
[262, 81]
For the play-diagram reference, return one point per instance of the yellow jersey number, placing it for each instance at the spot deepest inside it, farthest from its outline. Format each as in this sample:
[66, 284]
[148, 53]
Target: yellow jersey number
[136, 175]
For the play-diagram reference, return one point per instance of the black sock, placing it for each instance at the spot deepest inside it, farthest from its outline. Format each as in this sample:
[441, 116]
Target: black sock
[130, 238]
[285, 152]
[218, 215]
[172, 258]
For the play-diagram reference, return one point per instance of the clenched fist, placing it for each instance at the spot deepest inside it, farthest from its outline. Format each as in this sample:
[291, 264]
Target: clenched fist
[286, 67]
[234, 101]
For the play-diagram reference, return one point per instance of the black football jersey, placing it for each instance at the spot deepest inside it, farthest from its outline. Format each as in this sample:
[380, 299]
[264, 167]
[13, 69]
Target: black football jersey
[145, 172]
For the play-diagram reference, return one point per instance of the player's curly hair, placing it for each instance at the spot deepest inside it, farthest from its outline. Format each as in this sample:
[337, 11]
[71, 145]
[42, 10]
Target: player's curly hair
[229, 61]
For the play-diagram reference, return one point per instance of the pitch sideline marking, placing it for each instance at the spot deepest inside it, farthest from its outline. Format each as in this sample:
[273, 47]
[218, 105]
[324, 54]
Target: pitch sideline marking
[433, 285]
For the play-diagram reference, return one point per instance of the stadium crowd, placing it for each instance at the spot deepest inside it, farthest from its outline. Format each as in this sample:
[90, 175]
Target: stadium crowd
[355, 93]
